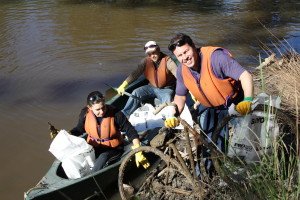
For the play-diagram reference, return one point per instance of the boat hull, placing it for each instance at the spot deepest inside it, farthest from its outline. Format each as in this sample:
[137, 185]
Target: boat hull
[56, 185]
[53, 186]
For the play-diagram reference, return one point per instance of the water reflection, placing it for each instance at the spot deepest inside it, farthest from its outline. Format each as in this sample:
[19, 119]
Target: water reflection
[53, 53]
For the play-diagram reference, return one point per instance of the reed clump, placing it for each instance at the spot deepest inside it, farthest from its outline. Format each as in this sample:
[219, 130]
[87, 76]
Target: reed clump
[277, 175]
[281, 77]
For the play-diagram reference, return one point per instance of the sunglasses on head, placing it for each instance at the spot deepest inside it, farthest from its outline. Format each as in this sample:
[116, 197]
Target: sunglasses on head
[150, 46]
[177, 43]
[95, 98]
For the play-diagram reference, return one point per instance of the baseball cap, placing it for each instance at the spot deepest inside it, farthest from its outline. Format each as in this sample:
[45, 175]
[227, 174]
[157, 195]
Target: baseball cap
[150, 46]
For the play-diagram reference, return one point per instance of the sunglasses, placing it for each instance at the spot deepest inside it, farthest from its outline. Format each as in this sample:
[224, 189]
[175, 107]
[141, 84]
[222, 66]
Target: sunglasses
[175, 44]
[95, 98]
[150, 46]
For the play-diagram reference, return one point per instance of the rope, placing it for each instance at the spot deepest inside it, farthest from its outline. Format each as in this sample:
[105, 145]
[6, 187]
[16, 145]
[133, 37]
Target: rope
[100, 188]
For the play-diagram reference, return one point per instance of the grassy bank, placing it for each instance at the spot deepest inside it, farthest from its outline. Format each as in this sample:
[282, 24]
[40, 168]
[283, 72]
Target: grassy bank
[276, 176]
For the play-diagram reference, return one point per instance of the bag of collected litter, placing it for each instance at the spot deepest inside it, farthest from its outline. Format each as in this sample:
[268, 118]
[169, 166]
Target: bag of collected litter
[76, 155]
[144, 118]
[253, 135]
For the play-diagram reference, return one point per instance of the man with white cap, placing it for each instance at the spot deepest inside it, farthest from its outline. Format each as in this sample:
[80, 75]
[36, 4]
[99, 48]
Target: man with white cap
[160, 70]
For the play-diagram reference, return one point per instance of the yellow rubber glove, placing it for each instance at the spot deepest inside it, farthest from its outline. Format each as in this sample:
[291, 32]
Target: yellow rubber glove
[122, 87]
[140, 159]
[244, 107]
[171, 122]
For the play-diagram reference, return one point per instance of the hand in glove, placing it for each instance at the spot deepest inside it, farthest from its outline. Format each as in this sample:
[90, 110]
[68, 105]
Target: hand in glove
[244, 107]
[121, 88]
[171, 122]
[140, 159]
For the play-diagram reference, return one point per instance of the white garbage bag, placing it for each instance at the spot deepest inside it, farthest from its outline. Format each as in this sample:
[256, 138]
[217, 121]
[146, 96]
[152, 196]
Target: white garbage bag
[143, 118]
[254, 134]
[76, 155]
[79, 164]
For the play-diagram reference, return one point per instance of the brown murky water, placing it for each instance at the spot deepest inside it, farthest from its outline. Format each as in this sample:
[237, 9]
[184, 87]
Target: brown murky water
[54, 52]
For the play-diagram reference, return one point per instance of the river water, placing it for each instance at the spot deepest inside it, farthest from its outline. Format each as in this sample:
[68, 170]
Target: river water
[54, 52]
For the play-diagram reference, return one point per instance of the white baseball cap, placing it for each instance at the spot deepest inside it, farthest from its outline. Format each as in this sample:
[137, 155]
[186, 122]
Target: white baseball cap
[150, 47]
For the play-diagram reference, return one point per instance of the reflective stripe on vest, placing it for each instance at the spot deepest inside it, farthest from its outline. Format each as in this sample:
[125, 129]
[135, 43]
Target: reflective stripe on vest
[212, 91]
[104, 134]
[161, 76]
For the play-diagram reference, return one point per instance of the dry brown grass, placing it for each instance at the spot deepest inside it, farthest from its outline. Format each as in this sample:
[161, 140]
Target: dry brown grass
[281, 77]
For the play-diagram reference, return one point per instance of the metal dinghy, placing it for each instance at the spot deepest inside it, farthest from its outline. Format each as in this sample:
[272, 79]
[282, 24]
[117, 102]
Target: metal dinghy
[56, 185]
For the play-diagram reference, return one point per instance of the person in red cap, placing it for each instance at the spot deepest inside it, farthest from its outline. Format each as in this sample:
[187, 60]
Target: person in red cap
[160, 70]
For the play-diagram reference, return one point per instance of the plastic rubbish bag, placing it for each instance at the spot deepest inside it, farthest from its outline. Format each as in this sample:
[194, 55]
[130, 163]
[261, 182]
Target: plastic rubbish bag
[76, 155]
[79, 164]
[143, 118]
[254, 134]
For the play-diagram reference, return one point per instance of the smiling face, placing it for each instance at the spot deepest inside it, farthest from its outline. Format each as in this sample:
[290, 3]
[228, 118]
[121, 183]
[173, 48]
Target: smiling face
[99, 109]
[186, 55]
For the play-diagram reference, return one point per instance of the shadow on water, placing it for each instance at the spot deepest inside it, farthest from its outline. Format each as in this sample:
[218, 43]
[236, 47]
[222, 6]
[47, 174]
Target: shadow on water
[122, 3]
[64, 91]
[3, 2]
[195, 5]
[59, 92]
[4, 86]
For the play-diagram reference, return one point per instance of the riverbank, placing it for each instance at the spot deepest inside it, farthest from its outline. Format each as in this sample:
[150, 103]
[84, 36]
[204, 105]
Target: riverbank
[275, 176]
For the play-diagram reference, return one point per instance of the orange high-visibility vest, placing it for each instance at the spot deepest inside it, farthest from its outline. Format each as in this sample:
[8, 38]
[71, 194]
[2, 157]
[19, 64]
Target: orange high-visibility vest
[104, 134]
[161, 76]
[212, 91]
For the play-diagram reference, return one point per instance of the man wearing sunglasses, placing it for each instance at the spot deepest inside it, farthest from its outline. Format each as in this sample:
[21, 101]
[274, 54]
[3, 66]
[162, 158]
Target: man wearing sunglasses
[160, 70]
[214, 79]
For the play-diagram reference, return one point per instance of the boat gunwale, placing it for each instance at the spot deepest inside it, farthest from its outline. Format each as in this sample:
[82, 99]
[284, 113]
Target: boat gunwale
[45, 185]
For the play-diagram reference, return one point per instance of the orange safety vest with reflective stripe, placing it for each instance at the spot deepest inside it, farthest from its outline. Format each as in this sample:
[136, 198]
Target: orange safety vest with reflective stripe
[212, 91]
[161, 76]
[104, 134]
